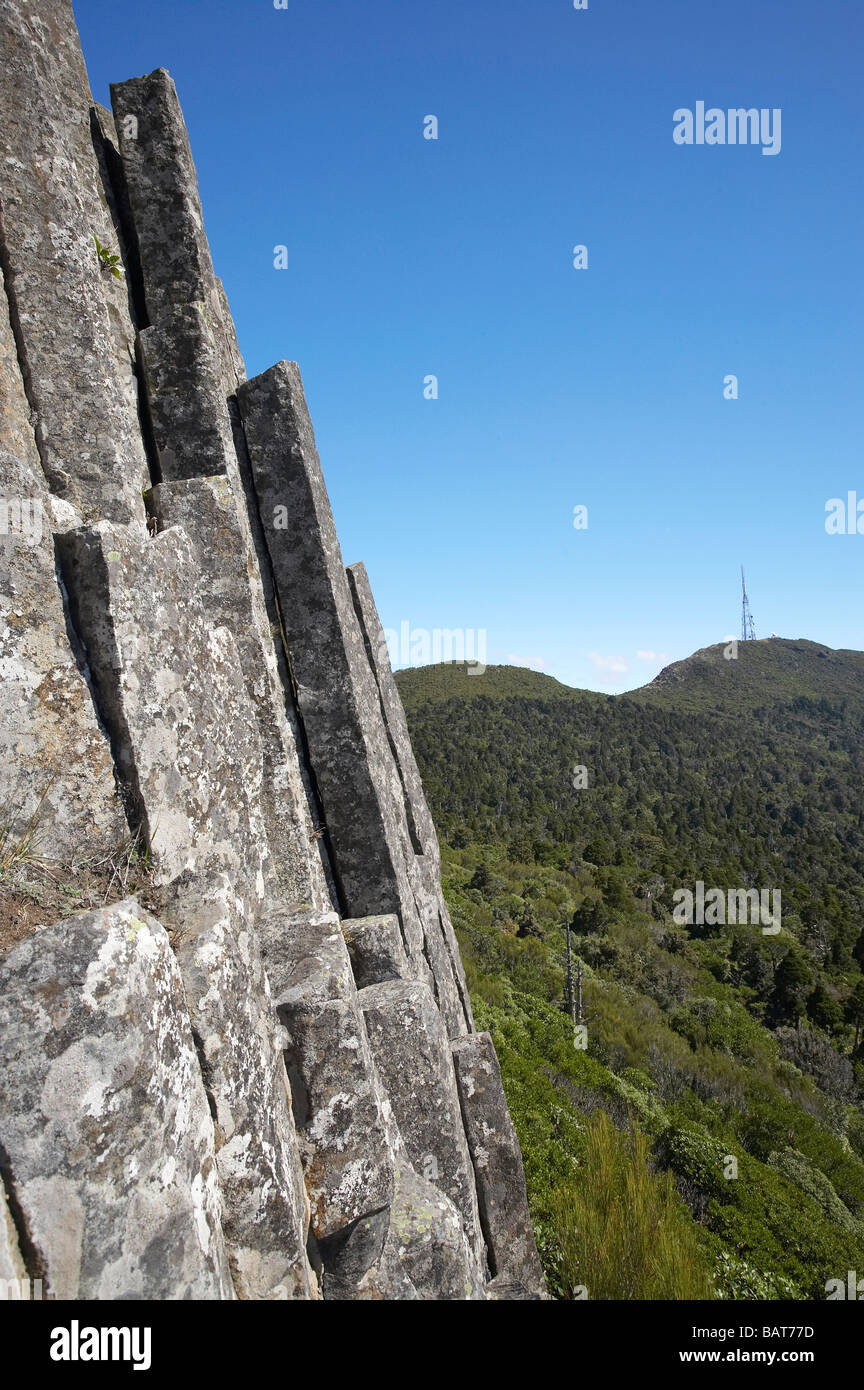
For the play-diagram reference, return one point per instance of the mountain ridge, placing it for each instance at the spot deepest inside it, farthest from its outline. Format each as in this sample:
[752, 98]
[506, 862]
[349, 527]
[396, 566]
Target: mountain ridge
[772, 668]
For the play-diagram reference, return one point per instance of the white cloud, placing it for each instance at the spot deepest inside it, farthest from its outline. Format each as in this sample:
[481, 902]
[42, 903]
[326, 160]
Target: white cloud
[616, 664]
[653, 658]
[534, 663]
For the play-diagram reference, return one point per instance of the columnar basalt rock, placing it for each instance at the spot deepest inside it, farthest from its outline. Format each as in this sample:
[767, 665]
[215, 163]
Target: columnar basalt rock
[172, 694]
[336, 693]
[56, 771]
[191, 365]
[176, 265]
[338, 1104]
[266, 1216]
[206, 509]
[72, 318]
[376, 950]
[417, 810]
[106, 1138]
[232, 1093]
[426, 1241]
[188, 413]
[364, 797]
[409, 1044]
[497, 1163]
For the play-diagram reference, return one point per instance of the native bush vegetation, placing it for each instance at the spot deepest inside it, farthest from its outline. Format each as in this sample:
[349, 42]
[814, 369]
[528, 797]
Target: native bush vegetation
[717, 1106]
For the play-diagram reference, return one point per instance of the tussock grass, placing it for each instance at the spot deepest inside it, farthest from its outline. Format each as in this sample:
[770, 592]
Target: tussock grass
[622, 1228]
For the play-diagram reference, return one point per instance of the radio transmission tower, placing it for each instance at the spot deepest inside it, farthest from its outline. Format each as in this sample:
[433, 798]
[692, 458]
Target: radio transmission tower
[748, 627]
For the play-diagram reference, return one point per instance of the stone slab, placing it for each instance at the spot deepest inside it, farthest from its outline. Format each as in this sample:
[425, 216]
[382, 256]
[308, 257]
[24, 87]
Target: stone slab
[412, 1053]
[339, 1107]
[376, 950]
[171, 691]
[55, 758]
[266, 1211]
[337, 698]
[207, 510]
[105, 1130]
[75, 330]
[498, 1170]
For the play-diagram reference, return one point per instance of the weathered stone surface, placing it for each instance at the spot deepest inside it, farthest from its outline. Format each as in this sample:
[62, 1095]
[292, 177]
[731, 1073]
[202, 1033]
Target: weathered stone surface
[55, 759]
[376, 950]
[418, 815]
[339, 1109]
[16, 425]
[266, 1211]
[356, 770]
[233, 366]
[337, 696]
[198, 647]
[441, 947]
[504, 1291]
[426, 1242]
[171, 691]
[163, 193]
[105, 1134]
[188, 413]
[190, 361]
[445, 965]
[355, 1266]
[412, 1053]
[420, 1251]
[75, 332]
[176, 264]
[207, 510]
[497, 1163]
[12, 1266]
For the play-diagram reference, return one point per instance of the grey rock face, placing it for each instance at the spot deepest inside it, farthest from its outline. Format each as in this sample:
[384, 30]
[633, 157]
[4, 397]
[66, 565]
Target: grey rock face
[76, 334]
[55, 760]
[337, 697]
[106, 1136]
[356, 770]
[12, 1266]
[239, 1095]
[426, 1242]
[191, 428]
[376, 950]
[355, 1264]
[448, 980]
[338, 1106]
[176, 264]
[266, 1211]
[419, 1249]
[442, 948]
[412, 1053]
[172, 692]
[206, 509]
[163, 193]
[190, 362]
[498, 1170]
[417, 810]
[233, 366]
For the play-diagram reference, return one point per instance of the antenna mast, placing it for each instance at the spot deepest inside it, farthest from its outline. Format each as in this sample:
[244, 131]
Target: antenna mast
[748, 627]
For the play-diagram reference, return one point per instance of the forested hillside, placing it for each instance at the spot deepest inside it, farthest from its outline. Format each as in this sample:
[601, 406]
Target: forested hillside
[712, 1050]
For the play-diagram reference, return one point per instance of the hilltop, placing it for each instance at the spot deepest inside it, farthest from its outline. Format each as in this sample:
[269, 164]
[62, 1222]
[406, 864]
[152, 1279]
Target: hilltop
[764, 671]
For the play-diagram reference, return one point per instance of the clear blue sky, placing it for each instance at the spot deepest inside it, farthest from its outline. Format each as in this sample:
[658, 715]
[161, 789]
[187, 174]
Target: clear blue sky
[558, 387]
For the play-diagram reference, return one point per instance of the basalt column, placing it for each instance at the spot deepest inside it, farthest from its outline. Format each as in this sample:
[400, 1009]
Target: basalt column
[375, 833]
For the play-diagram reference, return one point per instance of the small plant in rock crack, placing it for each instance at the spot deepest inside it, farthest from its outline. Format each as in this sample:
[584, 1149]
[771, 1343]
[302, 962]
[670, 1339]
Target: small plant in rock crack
[19, 837]
[109, 260]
